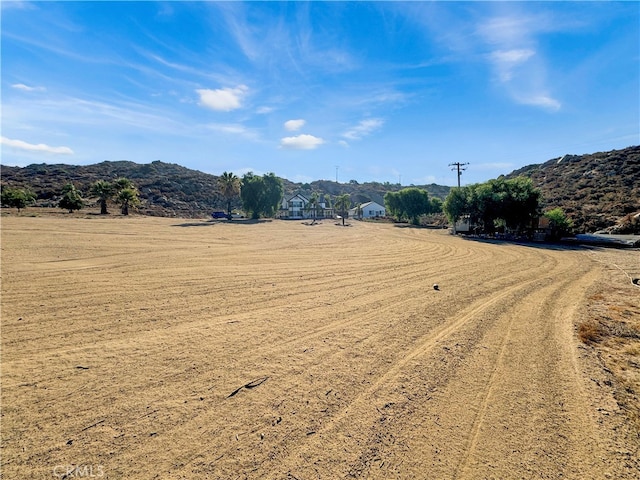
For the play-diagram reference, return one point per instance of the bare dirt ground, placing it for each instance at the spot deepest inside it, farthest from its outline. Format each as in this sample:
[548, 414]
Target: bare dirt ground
[164, 348]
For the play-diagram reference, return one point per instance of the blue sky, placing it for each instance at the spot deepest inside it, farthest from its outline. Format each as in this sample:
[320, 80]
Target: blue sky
[370, 91]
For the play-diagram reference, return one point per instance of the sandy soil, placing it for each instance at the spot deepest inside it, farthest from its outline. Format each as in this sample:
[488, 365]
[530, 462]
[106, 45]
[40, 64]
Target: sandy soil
[165, 348]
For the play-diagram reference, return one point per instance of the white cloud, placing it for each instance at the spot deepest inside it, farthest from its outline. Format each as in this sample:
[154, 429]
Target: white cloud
[364, 128]
[40, 147]
[506, 61]
[512, 56]
[540, 100]
[294, 125]
[27, 88]
[301, 142]
[223, 99]
[264, 110]
[518, 65]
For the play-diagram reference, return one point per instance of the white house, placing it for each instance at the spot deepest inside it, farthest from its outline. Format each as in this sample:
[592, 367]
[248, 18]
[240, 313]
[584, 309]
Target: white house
[368, 210]
[297, 206]
[293, 206]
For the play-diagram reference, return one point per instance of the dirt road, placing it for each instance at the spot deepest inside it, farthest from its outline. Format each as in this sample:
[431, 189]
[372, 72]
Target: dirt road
[163, 348]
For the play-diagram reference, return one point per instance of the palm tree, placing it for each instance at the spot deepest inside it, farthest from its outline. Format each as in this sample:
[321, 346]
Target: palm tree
[229, 188]
[312, 206]
[122, 183]
[342, 204]
[104, 191]
[127, 197]
[126, 194]
[359, 211]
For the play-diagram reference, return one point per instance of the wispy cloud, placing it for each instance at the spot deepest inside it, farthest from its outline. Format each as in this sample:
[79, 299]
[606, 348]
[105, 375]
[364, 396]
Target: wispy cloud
[40, 147]
[301, 142]
[540, 100]
[505, 61]
[234, 129]
[364, 128]
[56, 48]
[294, 125]
[17, 4]
[518, 64]
[223, 99]
[27, 88]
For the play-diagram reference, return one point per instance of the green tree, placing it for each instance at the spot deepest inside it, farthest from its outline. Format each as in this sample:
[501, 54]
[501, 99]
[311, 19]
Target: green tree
[393, 205]
[122, 183]
[273, 192]
[456, 204]
[127, 197]
[436, 205]
[261, 196]
[71, 199]
[229, 185]
[16, 197]
[358, 211]
[342, 204]
[104, 191]
[559, 223]
[513, 203]
[409, 203]
[414, 203]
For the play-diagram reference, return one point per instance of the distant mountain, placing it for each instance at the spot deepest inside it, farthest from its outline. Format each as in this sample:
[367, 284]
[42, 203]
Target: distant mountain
[171, 190]
[596, 190]
[166, 189]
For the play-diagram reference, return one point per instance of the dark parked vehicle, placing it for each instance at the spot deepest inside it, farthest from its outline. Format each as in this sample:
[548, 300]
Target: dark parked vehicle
[219, 215]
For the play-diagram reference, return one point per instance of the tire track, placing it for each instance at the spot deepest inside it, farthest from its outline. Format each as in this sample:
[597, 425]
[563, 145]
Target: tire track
[362, 400]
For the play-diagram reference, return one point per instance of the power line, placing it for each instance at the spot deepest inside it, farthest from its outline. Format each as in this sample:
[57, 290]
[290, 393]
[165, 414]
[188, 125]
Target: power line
[458, 166]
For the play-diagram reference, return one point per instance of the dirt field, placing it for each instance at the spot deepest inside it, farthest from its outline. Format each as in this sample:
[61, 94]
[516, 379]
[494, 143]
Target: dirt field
[174, 349]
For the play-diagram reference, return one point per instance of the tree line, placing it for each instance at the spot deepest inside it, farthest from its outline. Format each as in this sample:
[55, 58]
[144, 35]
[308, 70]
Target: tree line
[502, 204]
[491, 206]
[410, 204]
[122, 191]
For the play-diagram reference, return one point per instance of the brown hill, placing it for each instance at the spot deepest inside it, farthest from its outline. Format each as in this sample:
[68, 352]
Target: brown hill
[170, 190]
[596, 191]
[166, 189]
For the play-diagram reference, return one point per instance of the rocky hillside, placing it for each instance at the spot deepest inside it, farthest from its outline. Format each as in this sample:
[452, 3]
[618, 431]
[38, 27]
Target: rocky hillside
[168, 189]
[597, 191]
[165, 189]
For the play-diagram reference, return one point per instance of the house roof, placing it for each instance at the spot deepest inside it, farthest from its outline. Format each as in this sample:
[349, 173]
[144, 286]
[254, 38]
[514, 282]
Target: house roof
[371, 203]
[298, 195]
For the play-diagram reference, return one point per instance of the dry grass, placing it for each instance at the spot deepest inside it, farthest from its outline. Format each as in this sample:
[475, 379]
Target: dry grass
[614, 327]
[590, 332]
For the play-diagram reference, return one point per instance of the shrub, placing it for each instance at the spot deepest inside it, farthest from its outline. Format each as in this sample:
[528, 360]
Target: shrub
[590, 332]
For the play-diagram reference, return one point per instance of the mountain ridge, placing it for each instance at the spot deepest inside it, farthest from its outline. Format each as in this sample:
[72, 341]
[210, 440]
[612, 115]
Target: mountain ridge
[595, 190]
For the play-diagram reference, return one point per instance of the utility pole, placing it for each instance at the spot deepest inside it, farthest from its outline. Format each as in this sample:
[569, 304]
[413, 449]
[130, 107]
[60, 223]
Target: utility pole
[337, 173]
[458, 166]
